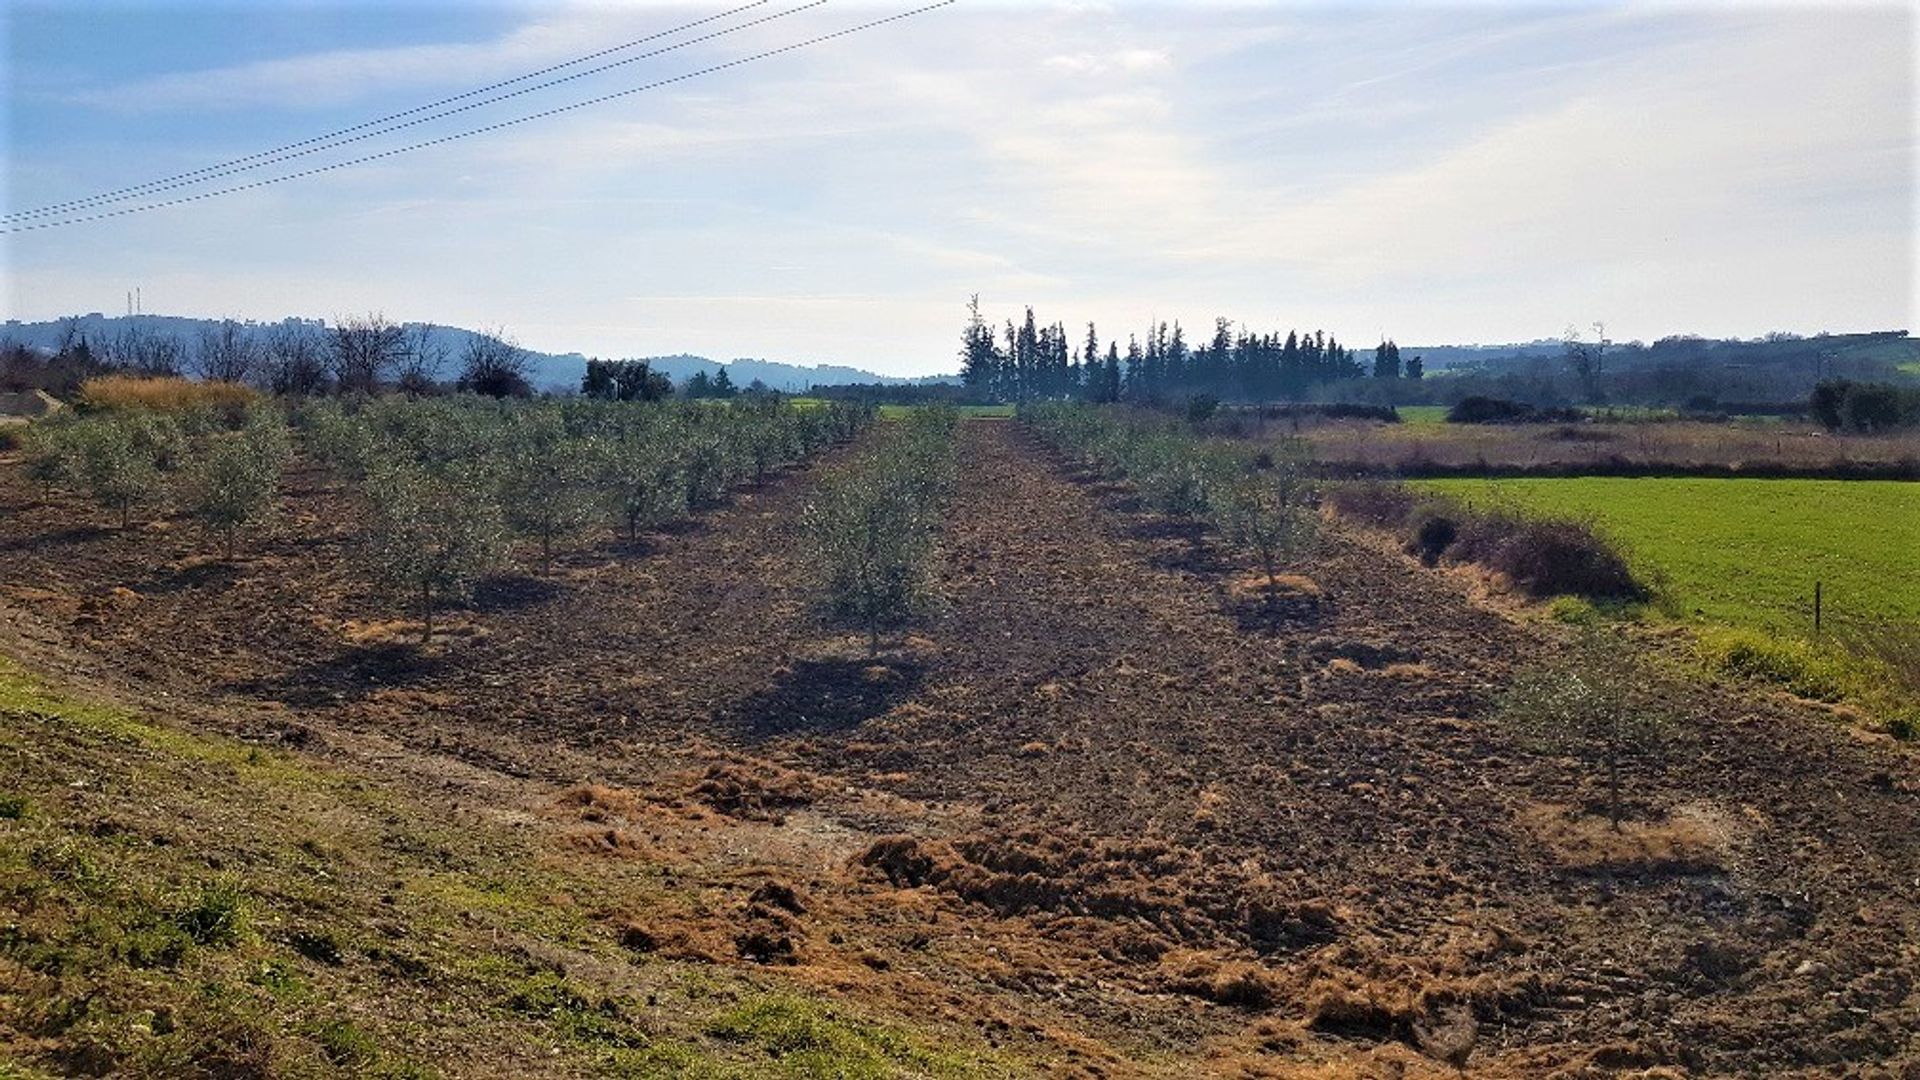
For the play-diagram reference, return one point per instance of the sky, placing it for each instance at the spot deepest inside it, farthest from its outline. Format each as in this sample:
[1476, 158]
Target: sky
[1437, 174]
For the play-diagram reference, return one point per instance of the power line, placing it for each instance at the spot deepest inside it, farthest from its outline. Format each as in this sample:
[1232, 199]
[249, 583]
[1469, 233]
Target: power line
[382, 127]
[15, 228]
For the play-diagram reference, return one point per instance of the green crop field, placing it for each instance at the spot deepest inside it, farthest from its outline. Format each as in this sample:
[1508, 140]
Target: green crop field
[1746, 552]
[1422, 415]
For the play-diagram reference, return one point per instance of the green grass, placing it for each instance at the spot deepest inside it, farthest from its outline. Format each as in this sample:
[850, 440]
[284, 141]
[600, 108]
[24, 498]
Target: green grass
[1738, 559]
[1745, 552]
[183, 904]
[1422, 415]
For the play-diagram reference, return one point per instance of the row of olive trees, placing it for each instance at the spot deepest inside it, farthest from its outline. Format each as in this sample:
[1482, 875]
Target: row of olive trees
[223, 468]
[1256, 499]
[450, 485]
[871, 526]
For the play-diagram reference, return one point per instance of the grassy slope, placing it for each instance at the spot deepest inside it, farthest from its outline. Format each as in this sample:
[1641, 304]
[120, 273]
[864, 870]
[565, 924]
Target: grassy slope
[1747, 552]
[173, 904]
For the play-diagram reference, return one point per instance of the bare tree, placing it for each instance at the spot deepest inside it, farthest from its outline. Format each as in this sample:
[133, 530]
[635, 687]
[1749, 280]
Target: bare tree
[294, 360]
[226, 352]
[423, 355]
[366, 352]
[1587, 359]
[138, 347]
[495, 365]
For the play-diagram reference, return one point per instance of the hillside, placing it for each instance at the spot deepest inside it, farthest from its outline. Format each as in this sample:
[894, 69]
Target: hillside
[551, 371]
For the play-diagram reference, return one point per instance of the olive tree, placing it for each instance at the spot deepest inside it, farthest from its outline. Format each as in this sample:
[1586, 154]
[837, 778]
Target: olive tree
[1588, 704]
[233, 481]
[115, 464]
[871, 528]
[546, 481]
[640, 480]
[430, 537]
[1269, 509]
[50, 457]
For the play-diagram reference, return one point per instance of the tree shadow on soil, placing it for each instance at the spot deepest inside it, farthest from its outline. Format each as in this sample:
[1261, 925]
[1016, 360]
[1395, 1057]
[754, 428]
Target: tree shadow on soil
[511, 592]
[350, 675]
[77, 534]
[186, 578]
[827, 696]
[1259, 614]
[1178, 545]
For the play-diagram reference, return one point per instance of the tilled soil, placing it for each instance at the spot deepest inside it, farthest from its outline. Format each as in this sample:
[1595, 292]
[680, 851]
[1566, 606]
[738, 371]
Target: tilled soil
[1109, 797]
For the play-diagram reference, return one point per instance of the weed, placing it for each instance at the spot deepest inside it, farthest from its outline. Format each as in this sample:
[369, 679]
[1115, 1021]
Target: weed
[14, 807]
[215, 914]
[157, 945]
[1798, 666]
[345, 1045]
[320, 946]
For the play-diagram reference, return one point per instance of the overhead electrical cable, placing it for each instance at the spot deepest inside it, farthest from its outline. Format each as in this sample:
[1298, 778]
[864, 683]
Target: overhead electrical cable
[334, 142]
[543, 114]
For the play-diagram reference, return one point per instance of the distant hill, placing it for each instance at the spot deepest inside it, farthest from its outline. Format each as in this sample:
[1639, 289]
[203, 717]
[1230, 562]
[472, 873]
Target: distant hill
[1441, 357]
[1861, 354]
[550, 371]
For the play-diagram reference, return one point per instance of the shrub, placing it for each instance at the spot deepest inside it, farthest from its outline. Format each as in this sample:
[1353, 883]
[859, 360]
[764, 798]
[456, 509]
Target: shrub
[1382, 505]
[1845, 405]
[1431, 539]
[1489, 410]
[1201, 407]
[1587, 704]
[1544, 556]
[1547, 557]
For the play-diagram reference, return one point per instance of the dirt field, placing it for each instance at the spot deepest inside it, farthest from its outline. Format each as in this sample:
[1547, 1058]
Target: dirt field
[1109, 813]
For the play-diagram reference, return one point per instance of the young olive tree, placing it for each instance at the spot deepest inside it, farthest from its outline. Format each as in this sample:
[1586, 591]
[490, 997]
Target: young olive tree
[233, 482]
[430, 537]
[115, 464]
[871, 529]
[546, 482]
[50, 455]
[639, 477]
[870, 548]
[1587, 704]
[1270, 511]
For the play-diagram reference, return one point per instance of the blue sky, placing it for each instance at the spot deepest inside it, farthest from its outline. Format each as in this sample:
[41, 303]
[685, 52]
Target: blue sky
[1438, 174]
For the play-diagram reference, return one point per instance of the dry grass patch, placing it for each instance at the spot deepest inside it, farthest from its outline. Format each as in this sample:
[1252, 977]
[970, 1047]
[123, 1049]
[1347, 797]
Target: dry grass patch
[1689, 837]
[163, 394]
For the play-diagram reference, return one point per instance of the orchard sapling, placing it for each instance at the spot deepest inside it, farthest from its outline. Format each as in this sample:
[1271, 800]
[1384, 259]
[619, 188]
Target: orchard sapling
[431, 537]
[1587, 705]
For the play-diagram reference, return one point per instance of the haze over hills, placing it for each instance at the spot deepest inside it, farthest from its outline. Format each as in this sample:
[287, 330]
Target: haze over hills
[1869, 354]
[549, 371]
